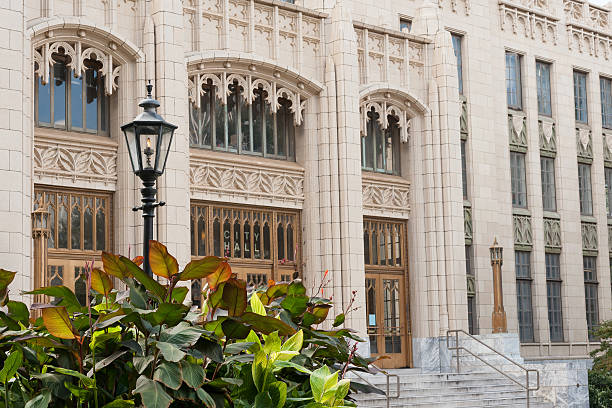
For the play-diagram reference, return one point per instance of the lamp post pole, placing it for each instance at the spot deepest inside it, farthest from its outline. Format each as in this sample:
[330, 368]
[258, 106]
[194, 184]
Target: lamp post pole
[499, 321]
[149, 192]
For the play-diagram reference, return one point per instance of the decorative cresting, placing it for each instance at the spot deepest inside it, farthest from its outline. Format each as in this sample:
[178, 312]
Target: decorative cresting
[454, 5]
[548, 137]
[388, 56]
[467, 224]
[69, 160]
[552, 233]
[530, 19]
[588, 28]
[383, 195]
[463, 119]
[607, 147]
[471, 285]
[78, 52]
[589, 236]
[584, 143]
[517, 128]
[275, 85]
[523, 235]
[211, 178]
[386, 104]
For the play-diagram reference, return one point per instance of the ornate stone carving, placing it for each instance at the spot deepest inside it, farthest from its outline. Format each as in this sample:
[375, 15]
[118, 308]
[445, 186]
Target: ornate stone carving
[471, 285]
[383, 195]
[522, 230]
[463, 119]
[552, 233]
[78, 52]
[249, 83]
[518, 130]
[584, 143]
[467, 224]
[466, 5]
[74, 160]
[607, 147]
[588, 28]
[247, 181]
[385, 105]
[548, 136]
[589, 236]
[529, 22]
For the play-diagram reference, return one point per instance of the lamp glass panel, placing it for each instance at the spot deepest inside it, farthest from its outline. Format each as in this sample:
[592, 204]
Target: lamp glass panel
[164, 148]
[133, 149]
[148, 136]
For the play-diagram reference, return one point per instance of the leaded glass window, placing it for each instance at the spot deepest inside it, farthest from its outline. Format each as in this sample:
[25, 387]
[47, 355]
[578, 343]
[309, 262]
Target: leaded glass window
[580, 97]
[513, 81]
[543, 83]
[523, 295]
[72, 102]
[518, 179]
[471, 289]
[608, 187]
[239, 127]
[590, 294]
[547, 165]
[584, 189]
[383, 243]
[605, 85]
[457, 48]
[553, 296]
[380, 148]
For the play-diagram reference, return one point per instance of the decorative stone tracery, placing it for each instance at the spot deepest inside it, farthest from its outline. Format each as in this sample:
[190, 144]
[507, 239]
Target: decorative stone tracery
[78, 52]
[385, 105]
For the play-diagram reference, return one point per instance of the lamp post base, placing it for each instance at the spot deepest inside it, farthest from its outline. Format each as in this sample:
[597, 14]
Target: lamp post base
[500, 325]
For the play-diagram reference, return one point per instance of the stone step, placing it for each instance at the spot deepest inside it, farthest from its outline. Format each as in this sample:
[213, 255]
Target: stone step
[515, 401]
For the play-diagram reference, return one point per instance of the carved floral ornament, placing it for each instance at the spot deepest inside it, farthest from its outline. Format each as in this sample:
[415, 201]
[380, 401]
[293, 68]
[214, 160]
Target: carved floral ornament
[78, 52]
[385, 106]
[249, 83]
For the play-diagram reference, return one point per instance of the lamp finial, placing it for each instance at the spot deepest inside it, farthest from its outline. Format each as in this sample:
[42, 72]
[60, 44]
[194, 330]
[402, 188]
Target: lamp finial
[149, 90]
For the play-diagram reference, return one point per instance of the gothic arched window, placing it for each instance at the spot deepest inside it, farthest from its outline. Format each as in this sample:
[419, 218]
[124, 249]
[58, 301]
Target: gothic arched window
[380, 148]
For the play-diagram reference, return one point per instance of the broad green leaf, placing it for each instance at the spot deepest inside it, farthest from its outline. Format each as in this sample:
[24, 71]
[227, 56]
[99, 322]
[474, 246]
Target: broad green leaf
[86, 381]
[68, 297]
[58, 323]
[18, 311]
[81, 394]
[138, 296]
[101, 337]
[6, 277]
[120, 403]
[193, 374]
[179, 294]
[106, 361]
[205, 397]
[113, 266]
[320, 312]
[317, 382]
[235, 297]
[141, 363]
[141, 276]
[271, 343]
[295, 304]
[210, 349]
[161, 262]
[181, 335]
[342, 389]
[263, 400]
[216, 326]
[200, 268]
[294, 343]
[167, 313]
[107, 320]
[169, 374]
[329, 387]
[170, 351]
[11, 365]
[296, 288]
[278, 290]
[240, 346]
[257, 306]
[266, 324]
[234, 330]
[289, 364]
[100, 282]
[215, 298]
[339, 320]
[259, 369]
[220, 275]
[284, 355]
[42, 400]
[278, 393]
[152, 393]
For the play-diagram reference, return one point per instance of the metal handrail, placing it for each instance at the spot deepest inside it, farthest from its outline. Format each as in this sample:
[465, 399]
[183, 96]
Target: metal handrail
[388, 375]
[527, 387]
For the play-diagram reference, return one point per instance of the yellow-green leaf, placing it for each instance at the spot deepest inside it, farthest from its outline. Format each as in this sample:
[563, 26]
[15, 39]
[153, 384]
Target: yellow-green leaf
[201, 268]
[257, 306]
[162, 263]
[100, 282]
[58, 323]
[113, 265]
[294, 343]
[222, 274]
[6, 277]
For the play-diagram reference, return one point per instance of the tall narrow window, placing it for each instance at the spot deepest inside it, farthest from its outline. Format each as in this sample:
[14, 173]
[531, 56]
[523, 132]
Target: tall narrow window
[543, 82]
[457, 47]
[464, 170]
[471, 289]
[523, 295]
[547, 165]
[519, 185]
[590, 294]
[584, 189]
[580, 97]
[380, 148]
[513, 80]
[608, 175]
[553, 295]
[605, 85]
[405, 25]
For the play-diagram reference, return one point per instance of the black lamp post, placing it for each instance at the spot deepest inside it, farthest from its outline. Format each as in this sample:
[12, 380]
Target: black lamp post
[148, 139]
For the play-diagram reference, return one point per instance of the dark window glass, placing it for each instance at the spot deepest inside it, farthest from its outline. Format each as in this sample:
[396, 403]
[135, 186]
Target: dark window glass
[584, 189]
[590, 294]
[44, 102]
[380, 148]
[608, 186]
[518, 179]
[523, 295]
[405, 25]
[59, 94]
[553, 295]
[547, 165]
[513, 80]
[457, 45]
[543, 83]
[580, 97]
[471, 289]
[605, 85]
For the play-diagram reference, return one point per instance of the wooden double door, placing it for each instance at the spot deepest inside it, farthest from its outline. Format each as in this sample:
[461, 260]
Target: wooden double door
[386, 284]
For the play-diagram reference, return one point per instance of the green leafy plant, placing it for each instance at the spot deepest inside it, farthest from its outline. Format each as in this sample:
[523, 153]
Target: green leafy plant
[600, 375]
[136, 342]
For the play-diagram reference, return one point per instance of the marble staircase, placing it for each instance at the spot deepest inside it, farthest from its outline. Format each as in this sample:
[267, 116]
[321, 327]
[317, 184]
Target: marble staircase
[485, 388]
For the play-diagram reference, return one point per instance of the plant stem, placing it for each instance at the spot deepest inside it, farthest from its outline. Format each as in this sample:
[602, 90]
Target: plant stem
[6, 393]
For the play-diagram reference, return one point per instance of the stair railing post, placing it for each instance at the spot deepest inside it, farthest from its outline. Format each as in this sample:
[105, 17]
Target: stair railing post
[457, 349]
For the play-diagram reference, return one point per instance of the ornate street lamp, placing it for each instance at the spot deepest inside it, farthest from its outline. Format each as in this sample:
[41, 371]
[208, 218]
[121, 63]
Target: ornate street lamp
[148, 139]
[500, 324]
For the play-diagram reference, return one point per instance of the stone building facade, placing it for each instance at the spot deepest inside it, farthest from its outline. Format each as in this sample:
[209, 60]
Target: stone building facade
[372, 140]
